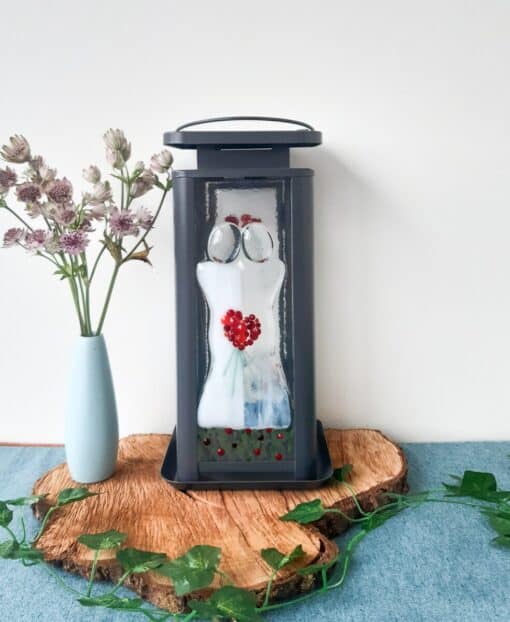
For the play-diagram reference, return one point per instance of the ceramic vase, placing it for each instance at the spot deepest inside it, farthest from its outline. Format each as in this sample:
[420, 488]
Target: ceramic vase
[91, 425]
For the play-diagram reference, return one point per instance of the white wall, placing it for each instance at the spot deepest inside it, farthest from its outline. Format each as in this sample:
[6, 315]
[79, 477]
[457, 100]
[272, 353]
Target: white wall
[412, 196]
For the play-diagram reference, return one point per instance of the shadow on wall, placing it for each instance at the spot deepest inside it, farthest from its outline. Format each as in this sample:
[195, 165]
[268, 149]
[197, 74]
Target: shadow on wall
[354, 223]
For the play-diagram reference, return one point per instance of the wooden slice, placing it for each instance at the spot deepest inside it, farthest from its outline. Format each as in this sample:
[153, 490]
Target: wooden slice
[156, 517]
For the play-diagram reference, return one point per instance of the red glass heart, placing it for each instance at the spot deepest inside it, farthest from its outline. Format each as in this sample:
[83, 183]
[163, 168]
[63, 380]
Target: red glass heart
[241, 331]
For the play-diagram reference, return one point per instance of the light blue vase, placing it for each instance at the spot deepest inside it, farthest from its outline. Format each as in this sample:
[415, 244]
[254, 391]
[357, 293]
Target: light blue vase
[91, 426]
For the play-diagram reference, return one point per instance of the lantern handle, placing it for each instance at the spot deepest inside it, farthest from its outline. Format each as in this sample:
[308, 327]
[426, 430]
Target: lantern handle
[245, 118]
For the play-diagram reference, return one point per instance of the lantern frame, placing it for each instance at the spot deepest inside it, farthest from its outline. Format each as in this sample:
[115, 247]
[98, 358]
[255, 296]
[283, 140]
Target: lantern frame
[245, 159]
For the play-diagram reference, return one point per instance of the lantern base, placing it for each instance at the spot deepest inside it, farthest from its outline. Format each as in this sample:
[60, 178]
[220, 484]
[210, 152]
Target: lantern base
[258, 481]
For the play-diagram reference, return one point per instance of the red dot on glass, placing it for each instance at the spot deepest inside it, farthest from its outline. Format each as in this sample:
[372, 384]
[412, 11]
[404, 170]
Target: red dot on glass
[256, 451]
[220, 451]
[228, 430]
[278, 456]
[269, 430]
[279, 435]
[247, 431]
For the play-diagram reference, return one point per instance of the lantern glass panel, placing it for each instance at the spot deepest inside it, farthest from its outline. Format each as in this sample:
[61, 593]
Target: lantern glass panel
[245, 400]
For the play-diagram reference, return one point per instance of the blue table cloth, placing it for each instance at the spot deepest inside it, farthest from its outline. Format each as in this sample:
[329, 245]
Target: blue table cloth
[431, 564]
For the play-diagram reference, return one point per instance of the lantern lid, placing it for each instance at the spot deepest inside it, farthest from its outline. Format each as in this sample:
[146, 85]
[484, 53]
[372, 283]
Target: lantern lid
[306, 136]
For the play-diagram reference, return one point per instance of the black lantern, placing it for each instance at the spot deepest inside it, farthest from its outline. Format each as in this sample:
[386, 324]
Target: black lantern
[244, 292]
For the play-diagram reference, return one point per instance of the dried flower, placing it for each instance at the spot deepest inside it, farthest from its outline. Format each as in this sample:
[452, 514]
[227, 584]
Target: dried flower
[60, 191]
[98, 211]
[114, 158]
[118, 150]
[8, 178]
[122, 222]
[64, 215]
[52, 243]
[92, 174]
[143, 218]
[139, 166]
[34, 209]
[101, 193]
[35, 240]
[73, 242]
[161, 162]
[28, 192]
[143, 183]
[17, 151]
[13, 236]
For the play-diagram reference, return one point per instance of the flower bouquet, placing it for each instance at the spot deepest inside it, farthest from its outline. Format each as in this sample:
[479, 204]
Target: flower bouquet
[51, 223]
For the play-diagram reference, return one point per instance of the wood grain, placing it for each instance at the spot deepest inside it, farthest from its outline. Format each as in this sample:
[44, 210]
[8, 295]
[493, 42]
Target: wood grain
[137, 501]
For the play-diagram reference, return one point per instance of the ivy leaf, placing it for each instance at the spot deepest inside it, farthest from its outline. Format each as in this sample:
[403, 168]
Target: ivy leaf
[30, 500]
[278, 560]
[478, 485]
[102, 541]
[136, 561]
[110, 601]
[7, 549]
[499, 518]
[70, 495]
[232, 603]
[315, 568]
[192, 571]
[341, 473]
[502, 541]
[5, 515]
[305, 513]
[373, 521]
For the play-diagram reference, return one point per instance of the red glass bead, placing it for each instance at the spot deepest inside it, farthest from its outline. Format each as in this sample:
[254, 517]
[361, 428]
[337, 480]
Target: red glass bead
[220, 451]
[269, 430]
[228, 430]
[279, 436]
[256, 451]
[247, 431]
[278, 456]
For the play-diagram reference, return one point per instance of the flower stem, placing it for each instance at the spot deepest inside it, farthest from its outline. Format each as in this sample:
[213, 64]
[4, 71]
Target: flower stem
[92, 572]
[108, 297]
[18, 217]
[44, 523]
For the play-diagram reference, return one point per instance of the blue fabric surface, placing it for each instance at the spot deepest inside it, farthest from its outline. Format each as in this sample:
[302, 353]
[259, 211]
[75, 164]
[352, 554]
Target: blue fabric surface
[431, 564]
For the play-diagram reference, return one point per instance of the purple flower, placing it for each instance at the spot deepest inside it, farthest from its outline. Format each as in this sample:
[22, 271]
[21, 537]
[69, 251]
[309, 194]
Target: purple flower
[13, 236]
[28, 192]
[74, 242]
[35, 240]
[17, 151]
[122, 222]
[60, 191]
[8, 178]
[64, 215]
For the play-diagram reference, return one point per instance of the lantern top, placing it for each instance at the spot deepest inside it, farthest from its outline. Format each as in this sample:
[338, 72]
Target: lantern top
[306, 136]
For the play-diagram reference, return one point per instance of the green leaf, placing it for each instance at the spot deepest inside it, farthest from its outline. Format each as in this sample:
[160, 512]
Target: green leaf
[192, 571]
[305, 513]
[502, 541]
[136, 561]
[5, 515]
[70, 495]
[278, 560]
[14, 550]
[30, 500]
[478, 485]
[7, 549]
[375, 520]
[228, 602]
[341, 473]
[316, 568]
[102, 541]
[110, 601]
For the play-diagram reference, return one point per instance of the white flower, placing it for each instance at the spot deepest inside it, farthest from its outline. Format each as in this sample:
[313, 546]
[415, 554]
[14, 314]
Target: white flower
[143, 217]
[101, 193]
[92, 174]
[17, 151]
[143, 183]
[116, 141]
[114, 158]
[161, 162]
